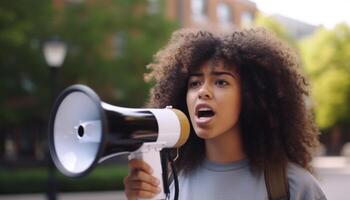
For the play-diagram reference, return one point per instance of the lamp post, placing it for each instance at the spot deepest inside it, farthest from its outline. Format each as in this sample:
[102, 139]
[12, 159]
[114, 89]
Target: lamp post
[54, 52]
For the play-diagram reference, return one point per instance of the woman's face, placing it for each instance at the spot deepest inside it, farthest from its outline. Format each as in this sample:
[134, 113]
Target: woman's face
[214, 100]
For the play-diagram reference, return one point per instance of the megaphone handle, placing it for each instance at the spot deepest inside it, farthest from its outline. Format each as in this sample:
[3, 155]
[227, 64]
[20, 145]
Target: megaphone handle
[152, 157]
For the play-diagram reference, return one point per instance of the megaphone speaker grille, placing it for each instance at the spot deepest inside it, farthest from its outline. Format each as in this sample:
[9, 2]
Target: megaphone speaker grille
[76, 127]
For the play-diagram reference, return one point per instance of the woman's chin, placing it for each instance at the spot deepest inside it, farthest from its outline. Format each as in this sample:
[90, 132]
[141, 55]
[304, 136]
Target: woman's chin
[203, 135]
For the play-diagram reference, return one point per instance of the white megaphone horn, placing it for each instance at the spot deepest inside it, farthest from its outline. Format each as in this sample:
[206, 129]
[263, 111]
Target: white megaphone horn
[83, 131]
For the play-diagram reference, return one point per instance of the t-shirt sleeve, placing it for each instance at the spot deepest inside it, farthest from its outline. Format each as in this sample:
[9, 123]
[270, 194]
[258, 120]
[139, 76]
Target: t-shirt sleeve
[303, 185]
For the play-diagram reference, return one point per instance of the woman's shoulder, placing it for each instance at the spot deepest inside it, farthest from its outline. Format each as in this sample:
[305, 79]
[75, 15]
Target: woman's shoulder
[300, 175]
[303, 184]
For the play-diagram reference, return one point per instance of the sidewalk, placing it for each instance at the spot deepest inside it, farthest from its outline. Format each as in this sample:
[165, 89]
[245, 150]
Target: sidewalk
[332, 164]
[109, 195]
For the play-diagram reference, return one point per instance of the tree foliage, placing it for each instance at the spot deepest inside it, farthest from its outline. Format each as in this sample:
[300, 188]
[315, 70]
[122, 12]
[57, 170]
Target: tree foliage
[274, 26]
[109, 45]
[327, 59]
[22, 71]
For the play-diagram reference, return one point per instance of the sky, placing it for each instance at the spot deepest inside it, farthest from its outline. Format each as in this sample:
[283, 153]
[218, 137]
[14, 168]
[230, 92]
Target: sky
[316, 12]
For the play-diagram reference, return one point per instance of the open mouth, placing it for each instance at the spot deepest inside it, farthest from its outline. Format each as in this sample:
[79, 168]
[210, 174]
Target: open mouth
[205, 113]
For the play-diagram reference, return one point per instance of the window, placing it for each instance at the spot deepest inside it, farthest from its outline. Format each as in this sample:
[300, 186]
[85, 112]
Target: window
[153, 7]
[224, 13]
[247, 18]
[27, 84]
[118, 43]
[199, 9]
[74, 1]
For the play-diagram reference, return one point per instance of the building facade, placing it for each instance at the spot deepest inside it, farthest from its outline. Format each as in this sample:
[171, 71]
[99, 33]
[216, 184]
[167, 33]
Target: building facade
[212, 14]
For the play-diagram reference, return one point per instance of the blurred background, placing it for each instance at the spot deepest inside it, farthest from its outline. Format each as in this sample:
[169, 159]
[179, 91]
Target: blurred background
[47, 45]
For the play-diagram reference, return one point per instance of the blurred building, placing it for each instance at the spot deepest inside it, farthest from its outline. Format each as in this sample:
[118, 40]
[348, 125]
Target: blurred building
[212, 14]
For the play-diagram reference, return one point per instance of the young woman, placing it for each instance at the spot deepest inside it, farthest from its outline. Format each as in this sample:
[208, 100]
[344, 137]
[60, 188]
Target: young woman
[245, 95]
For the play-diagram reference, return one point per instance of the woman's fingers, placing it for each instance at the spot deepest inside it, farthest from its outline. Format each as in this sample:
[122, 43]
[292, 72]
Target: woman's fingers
[140, 165]
[142, 186]
[142, 176]
[134, 187]
[139, 193]
[140, 182]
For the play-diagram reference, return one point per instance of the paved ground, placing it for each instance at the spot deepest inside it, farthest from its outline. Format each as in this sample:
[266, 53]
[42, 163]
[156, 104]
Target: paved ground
[334, 176]
[336, 186]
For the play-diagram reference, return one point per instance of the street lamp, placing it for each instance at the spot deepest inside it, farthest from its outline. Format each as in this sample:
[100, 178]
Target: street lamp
[54, 52]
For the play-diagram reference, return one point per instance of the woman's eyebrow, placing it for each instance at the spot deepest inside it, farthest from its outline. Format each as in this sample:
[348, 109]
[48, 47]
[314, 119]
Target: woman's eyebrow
[215, 73]
[219, 73]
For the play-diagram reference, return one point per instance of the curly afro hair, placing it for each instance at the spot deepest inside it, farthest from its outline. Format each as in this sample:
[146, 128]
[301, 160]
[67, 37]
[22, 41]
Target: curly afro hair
[275, 123]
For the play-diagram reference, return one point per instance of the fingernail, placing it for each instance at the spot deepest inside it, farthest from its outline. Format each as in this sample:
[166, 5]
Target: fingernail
[158, 189]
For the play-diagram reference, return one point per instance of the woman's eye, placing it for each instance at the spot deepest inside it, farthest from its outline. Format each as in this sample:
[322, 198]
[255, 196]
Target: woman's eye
[193, 84]
[221, 82]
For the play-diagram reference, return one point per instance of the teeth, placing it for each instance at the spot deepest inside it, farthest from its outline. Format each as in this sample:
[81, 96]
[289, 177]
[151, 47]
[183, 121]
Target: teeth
[204, 109]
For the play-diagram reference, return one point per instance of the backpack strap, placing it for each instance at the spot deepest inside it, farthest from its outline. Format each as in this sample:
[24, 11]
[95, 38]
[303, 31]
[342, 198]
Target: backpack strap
[276, 181]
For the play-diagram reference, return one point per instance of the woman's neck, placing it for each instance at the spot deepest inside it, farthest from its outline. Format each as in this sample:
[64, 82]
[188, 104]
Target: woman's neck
[225, 148]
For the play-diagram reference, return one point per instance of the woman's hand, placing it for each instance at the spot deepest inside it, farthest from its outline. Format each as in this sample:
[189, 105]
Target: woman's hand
[140, 183]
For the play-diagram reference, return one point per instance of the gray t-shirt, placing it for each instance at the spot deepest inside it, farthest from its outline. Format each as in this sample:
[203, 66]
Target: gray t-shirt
[235, 181]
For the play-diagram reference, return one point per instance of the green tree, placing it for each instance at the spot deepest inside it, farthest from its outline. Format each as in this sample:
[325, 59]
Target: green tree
[22, 71]
[111, 43]
[327, 59]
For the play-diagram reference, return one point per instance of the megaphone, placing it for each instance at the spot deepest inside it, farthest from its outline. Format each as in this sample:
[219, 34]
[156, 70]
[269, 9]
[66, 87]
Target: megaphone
[84, 131]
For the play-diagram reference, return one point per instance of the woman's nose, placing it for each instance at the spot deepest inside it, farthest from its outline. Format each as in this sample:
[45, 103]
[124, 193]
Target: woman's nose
[204, 93]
